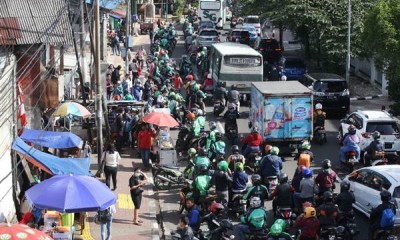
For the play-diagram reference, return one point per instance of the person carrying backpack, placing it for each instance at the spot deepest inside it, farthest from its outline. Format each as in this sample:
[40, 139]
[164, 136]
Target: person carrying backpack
[104, 217]
[325, 180]
[382, 217]
[305, 156]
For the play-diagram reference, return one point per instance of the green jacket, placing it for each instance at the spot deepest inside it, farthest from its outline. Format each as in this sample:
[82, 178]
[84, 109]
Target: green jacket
[256, 218]
[172, 105]
[257, 190]
[217, 148]
[200, 160]
[210, 138]
[203, 184]
[202, 121]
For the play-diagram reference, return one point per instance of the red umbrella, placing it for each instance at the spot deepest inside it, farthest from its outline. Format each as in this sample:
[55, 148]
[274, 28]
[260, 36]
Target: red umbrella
[21, 231]
[160, 119]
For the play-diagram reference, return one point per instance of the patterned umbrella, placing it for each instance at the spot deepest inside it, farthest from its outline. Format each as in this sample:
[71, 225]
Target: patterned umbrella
[72, 108]
[160, 119]
[21, 231]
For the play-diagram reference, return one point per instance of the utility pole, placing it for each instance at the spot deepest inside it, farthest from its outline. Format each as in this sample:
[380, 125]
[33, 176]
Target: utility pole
[128, 32]
[99, 92]
[82, 46]
[348, 41]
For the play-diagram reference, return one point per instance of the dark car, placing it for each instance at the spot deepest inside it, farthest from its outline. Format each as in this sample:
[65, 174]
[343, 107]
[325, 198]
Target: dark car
[270, 50]
[294, 68]
[330, 90]
[239, 35]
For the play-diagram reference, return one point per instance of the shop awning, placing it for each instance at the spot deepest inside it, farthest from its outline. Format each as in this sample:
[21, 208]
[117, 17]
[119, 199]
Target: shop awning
[50, 163]
[51, 139]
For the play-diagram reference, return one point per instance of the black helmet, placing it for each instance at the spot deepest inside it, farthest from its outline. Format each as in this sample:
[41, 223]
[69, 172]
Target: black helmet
[376, 135]
[283, 178]
[386, 195]
[235, 149]
[203, 169]
[218, 136]
[255, 178]
[203, 152]
[345, 185]
[326, 164]
[328, 196]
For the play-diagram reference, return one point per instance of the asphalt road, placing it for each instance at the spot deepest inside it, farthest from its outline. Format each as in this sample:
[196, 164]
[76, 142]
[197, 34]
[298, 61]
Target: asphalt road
[169, 200]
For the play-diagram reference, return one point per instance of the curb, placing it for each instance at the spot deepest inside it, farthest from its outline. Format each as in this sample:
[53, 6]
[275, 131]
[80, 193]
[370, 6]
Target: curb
[366, 98]
[155, 233]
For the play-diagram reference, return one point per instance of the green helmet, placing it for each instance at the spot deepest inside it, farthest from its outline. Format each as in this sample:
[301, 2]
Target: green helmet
[239, 166]
[192, 152]
[196, 87]
[274, 151]
[306, 145]
[276, 229]
[223, 165]
[281, 222]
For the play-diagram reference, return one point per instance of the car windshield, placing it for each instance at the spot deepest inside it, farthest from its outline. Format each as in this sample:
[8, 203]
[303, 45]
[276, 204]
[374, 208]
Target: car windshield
[252, 20]
[294, 64]
[385, 128]
[209, 33]
[330, 86]
[207, 25]
[396, 192]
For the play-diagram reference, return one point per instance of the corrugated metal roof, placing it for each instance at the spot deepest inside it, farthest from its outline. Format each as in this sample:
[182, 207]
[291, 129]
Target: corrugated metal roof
[9, 31]
[39, 21]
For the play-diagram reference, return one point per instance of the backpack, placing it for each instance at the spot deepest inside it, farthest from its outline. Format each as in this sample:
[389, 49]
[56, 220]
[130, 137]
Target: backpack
[304, 159]
[388, 218]
[104, 216]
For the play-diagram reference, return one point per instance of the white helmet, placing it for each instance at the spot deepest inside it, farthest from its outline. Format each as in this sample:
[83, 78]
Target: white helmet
[283, 78]
[318, 106]
[204, 48]
[209, 76]
[199, 112]
[255, 202]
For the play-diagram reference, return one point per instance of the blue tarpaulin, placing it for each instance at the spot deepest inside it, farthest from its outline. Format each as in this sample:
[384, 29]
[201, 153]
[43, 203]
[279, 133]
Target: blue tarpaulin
[50, 163]
[107, 4]
[51, 139]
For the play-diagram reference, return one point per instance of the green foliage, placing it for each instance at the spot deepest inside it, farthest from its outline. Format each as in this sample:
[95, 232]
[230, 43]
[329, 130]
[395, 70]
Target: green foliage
[382, 31]
[179, 6]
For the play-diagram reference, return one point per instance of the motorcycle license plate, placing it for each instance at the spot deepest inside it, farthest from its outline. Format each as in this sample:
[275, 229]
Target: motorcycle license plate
[241, 86]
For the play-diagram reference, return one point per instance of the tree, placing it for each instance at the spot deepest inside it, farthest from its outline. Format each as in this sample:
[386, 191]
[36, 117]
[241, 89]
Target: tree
[381, 37]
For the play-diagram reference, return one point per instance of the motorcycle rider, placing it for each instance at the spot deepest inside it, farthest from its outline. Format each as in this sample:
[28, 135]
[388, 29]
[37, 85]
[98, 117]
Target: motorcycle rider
[328, 211]
[217, 213]
[381, 217]
[239, 179]
[222, 178]
[193, 213]
[202, 184]
[230, 117]
[326, 178]
[306, 189]
[283, 193]
[319, 117]
[234, 97]
[346, 198]
[271, 165]
[350, 143]
[211, 136]
[174, 107]
[202, 160]
[374, 150]
[217, 148]
[254, 220]
[253, 142]
[277, 231]
[305, 156]
[308, 224]
[257, 189]
[235, 157]
[221, 93]
[189, 171]
[184, 231]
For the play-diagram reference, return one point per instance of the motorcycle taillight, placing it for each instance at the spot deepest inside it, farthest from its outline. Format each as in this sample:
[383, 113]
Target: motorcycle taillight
[352, 154]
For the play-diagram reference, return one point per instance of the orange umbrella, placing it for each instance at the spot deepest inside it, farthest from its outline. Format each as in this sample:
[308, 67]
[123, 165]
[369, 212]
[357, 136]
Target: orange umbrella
[160, 119]
[21, 231]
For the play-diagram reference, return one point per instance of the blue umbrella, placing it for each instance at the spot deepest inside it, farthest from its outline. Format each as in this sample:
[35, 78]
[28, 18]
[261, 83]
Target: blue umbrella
[68, 193]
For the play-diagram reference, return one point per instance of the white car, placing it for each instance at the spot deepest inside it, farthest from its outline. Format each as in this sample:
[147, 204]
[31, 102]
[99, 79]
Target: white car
[367, 122]
[367, 183]
[254, 21]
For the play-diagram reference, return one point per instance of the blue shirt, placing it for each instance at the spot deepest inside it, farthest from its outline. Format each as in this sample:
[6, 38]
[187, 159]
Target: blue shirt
[240, 180]
[194, 218]
[271, 165]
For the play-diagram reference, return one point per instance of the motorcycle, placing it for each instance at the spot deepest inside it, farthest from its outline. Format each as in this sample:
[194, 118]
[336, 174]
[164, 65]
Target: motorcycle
[286, 213]
[238, 204]
[261, 234]
[385, 235]
[231, 133]
[350, 229]
[329, 233]
[253, 161]
[377, 159]
[218, 107]
[320, 135]
[165, 177]
[221, 232]
[351, 160]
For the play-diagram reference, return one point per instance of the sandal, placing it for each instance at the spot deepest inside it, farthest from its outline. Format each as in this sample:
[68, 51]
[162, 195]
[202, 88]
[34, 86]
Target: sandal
[138, 224]
[140, 221]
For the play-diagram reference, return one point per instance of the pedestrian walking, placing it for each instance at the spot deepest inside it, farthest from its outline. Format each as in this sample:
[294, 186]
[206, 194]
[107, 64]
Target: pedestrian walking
[115, 45]
[109, 86]
[136, 181]
[141, 56]
[115, 77]
[111, 159]
[133, 67]
[145, 136]
[105, 219]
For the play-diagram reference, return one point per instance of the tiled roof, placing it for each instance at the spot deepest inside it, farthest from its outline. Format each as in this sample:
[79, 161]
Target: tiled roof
[39, 21]
[9, 31]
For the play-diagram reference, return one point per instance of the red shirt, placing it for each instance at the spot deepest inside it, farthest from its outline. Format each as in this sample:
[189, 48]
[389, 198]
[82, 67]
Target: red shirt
[177, 82]
[309, 227]
[253, 139]
[144, 137]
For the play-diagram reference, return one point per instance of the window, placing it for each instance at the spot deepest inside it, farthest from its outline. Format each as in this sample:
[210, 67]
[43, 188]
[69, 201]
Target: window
[330, 86]
[361, 177]
[378, 182]
[385, 128]
[252, 20]
[396, 192]
[294, 63]
[242, 61]
[216, 64]
[209, 33]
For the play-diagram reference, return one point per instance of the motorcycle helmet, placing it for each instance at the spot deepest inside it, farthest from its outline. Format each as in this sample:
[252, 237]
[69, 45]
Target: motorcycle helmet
[204, 48]
[385, 195]
[189, 77]
[306, 145]
[276, 229]
[345, 186]
[196, 87]
[376, 135]
[172, 96]
[191, 116]
[231, 106]
[239, 166]
[326, 164]
[212, 125]
[255, 202]
[162, 53]
[255, 178]
[203, 152]
[267, 148]
[328, 196]
[235, 149]
[307, 172]
[283, 78]
[283, 178]
[218, 136]
[352, 130]
[199, 112]
[274, 150]
[216, 208]
[203, 169]
[223, 166]
[254, 129]
[318, 106]
[192, 152]
[310, 212]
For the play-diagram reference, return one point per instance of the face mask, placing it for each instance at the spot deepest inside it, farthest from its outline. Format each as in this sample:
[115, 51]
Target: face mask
[137, 174]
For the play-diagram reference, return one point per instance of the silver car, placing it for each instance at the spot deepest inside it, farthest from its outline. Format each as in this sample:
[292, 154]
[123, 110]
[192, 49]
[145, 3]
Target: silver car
[368, 182]
[207, 37]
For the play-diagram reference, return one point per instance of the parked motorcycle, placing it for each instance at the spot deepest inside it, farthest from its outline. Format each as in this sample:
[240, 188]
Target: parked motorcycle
[165, 177]
[320, 135]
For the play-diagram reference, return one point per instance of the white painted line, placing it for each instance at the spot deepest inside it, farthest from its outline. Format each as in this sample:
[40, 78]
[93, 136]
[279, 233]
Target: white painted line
[220, 128]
